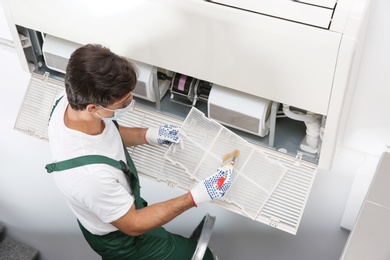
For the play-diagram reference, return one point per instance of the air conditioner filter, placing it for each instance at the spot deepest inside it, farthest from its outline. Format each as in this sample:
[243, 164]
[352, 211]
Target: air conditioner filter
[204, 143]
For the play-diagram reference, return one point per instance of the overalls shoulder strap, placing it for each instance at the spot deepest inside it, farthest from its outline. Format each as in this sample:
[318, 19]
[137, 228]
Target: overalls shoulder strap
[127, 168]
[54, 106]
[85, 160]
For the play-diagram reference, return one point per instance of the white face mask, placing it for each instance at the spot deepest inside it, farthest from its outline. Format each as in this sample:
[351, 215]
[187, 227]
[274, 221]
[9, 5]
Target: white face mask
[118, 112]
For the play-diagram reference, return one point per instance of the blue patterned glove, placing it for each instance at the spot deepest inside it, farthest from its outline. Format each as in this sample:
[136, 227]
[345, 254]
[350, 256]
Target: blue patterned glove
[165, 134]
[213, 187]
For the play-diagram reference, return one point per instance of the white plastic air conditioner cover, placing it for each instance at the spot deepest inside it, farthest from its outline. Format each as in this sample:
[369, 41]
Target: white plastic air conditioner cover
[284, 195]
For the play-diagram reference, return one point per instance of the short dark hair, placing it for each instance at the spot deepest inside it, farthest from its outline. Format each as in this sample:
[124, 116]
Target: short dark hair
[95, 75]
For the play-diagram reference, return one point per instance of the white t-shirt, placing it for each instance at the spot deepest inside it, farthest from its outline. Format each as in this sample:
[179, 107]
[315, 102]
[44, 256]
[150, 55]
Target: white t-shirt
[98, 194]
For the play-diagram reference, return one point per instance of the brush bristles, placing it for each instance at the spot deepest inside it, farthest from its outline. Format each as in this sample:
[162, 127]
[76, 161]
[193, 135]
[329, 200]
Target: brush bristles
[231, 155]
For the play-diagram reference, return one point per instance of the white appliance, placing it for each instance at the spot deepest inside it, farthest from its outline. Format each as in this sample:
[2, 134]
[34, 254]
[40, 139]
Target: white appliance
[239, 110]
[145, 88]
[301, 53]
[57, 51]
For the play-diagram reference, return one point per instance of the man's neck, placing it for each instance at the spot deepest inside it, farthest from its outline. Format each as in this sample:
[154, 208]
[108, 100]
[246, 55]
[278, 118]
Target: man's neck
[83, 121]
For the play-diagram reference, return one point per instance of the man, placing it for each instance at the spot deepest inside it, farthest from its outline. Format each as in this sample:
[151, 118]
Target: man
[89, 163]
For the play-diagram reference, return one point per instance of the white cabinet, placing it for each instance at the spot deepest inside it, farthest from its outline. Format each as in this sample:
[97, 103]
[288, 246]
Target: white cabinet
[370, 237]
[272, 58]
[304, 54]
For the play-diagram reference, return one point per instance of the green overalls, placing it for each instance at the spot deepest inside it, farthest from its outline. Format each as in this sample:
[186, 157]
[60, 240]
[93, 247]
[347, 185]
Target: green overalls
[157, 244]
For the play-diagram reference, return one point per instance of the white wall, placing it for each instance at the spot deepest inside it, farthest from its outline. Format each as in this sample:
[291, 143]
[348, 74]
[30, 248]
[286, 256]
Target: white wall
[370, 236]
[5, 34]
[35, 212]
[368, 128]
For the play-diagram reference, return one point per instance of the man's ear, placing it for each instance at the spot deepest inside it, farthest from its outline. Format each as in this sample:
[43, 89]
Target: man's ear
[91, 108]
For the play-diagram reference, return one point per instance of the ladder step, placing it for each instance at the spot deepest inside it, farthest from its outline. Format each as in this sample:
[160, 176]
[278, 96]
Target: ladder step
[14, 250]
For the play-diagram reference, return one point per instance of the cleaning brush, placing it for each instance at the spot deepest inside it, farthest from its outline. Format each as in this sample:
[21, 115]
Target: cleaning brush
[232, 158]
[231, 155]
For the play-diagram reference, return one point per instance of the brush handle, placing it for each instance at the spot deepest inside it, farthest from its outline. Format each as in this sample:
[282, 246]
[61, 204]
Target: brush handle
[228, 165]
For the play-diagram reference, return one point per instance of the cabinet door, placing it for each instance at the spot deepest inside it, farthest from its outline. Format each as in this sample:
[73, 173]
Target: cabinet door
[272, 58]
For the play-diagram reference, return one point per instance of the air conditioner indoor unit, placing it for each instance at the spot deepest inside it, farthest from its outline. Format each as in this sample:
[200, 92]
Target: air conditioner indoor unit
[57, 51]
[303, 55]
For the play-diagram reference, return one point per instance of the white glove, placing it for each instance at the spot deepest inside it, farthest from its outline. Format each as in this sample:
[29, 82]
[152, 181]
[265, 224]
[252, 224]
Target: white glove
[165, 134]
[213, 187]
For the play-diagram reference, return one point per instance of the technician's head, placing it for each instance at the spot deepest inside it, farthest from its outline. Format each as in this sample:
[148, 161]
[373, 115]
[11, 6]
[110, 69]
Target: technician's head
[95, 75]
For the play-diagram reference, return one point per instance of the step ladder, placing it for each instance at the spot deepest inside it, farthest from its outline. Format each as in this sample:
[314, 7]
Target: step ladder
[11, 249]
[202, 233]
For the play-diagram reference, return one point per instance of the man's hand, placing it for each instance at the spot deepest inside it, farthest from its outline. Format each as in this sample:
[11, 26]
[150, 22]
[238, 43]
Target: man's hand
[165, 134]
[213, 187]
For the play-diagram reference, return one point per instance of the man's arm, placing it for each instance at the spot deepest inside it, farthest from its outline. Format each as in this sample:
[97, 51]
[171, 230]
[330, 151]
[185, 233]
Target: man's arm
[165, 134]
[132, 136]
[137, 222]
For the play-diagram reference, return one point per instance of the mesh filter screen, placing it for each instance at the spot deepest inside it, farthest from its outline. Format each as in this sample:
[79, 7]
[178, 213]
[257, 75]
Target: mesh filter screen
[205, 142]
